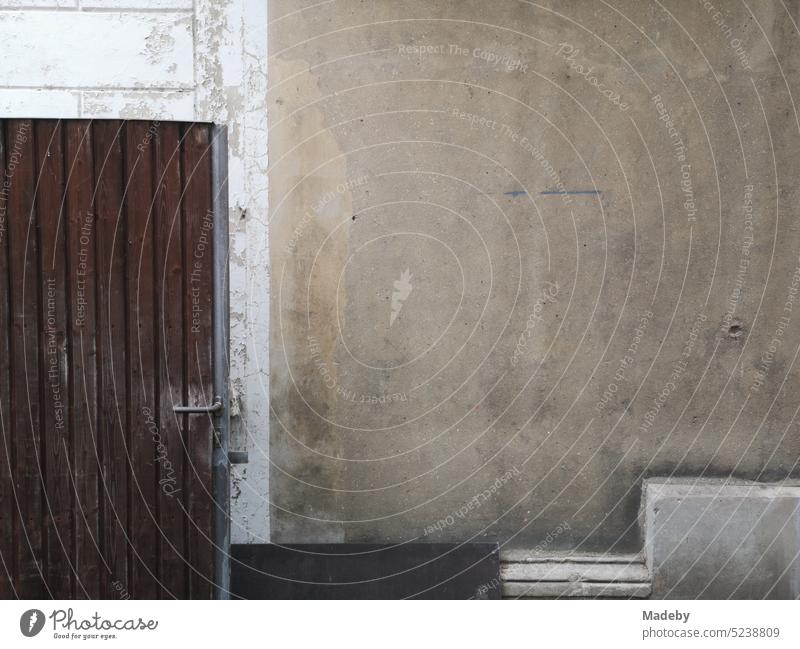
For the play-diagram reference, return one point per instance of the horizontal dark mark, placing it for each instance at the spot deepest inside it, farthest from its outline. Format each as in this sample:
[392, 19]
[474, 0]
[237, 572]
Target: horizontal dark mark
[571, 192]
[574, 192]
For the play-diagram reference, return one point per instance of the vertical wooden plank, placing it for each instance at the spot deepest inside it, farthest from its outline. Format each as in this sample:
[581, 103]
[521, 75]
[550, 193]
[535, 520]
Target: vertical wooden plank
[7, 509]
[138, 153]
[59, 522]
[81, 234]
[24, 358]
[111, 322]
[198, 229]
[169, 298]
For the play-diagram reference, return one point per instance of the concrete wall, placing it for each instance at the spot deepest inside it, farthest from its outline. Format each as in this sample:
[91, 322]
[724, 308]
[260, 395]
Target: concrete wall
[186, 60]
[525, 255]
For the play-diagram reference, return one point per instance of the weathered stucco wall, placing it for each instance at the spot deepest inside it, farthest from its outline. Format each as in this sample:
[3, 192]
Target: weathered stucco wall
[185, 60]
[525, 255]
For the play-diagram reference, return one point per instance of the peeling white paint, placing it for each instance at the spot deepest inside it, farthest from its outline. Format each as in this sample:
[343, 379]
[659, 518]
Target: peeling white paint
[231, 68]
[133, 104]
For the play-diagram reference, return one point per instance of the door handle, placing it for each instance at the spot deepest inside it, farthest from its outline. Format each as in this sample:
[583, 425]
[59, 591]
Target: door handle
[200, 410]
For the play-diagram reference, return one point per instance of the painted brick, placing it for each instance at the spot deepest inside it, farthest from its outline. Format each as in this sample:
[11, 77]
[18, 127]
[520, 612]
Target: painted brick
[24, 4]
[139, 104]
[87, 49]
[137, 4]
[39, 103]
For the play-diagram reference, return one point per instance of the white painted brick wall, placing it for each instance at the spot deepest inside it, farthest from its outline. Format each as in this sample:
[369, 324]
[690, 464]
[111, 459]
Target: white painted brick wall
[100, 4]
[86, 49]
[100, 58]
[187, 60]
[40, 3]
[136, 4]
[39, 103]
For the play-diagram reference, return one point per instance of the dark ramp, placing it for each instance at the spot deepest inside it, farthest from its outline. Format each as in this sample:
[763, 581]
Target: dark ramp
[360, 571]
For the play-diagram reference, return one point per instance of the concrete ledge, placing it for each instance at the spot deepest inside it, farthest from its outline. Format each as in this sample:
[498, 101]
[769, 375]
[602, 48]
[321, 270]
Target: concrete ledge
[520, 589]
[524, 574]
[604, 572]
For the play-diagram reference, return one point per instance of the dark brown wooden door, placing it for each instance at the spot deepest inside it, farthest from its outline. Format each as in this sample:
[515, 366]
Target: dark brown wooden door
[105, 325]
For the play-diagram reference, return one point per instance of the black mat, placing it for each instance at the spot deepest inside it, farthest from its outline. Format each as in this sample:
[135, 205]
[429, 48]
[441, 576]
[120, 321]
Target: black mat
[355, 571]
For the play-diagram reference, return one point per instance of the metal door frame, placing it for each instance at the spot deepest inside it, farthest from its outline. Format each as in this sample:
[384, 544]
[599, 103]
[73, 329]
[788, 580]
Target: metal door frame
[220, 462]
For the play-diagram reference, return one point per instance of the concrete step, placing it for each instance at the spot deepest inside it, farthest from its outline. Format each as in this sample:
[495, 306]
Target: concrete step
[583, 590]
[527, 574]
[721, 539]
[703, 539]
